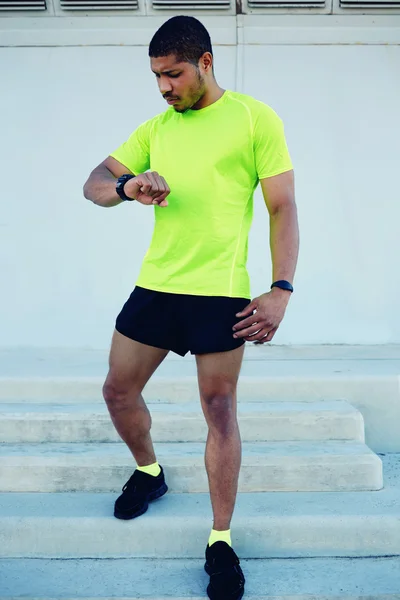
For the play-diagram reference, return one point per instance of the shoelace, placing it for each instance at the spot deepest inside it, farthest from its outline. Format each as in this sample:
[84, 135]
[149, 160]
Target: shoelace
[131, 483]
[226, 565]
[236, 560]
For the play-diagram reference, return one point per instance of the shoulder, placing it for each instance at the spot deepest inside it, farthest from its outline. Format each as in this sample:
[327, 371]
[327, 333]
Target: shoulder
[258, 111]
[147, 128]
[253, 104]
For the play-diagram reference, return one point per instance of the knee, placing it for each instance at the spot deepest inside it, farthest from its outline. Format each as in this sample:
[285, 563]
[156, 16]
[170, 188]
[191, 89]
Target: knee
[219, 409]
[121, 399]
[217, 394]
[116, 392]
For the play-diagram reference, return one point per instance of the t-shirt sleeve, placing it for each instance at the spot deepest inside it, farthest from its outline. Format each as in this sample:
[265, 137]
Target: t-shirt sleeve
[270, 149]
[135, 152]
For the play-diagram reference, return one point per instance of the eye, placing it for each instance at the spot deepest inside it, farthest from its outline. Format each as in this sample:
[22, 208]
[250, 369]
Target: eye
[175, 76]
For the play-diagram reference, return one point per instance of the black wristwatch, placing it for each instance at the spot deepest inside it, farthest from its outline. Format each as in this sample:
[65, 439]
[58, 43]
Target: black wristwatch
[120, 186]
[284, 285]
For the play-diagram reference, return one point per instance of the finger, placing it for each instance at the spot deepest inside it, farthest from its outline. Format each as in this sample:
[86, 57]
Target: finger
[154, 190]
[161, 198]
[252, 320]
[160, 182]
[265, 335]
[248, 331]
[164, 190]
[166, 186]
[271, 334]
[158, 199]
[151, 186]
[145, 185]
[247, 310]
[258, 338]
[160, 202]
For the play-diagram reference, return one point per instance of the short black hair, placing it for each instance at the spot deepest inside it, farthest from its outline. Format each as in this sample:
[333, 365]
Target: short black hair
[183, 36]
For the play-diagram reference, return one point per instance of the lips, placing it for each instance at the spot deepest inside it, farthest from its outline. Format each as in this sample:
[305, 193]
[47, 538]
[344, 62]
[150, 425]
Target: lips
[171, 100]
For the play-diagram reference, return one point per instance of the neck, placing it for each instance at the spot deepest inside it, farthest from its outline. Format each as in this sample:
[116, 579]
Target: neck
[213, 93]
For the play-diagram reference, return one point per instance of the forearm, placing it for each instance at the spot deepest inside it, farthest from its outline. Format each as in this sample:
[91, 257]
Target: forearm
[100, 188]
[284, 242]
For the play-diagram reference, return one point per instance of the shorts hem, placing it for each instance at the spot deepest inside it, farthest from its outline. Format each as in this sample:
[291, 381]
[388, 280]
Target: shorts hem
[140, 340]
[224, 349]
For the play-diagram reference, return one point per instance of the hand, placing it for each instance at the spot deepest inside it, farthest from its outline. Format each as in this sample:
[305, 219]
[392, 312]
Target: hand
[148, 188]
[261, 326]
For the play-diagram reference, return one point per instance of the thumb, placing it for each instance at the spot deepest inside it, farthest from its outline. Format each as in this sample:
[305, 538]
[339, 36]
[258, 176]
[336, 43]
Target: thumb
[248, 310]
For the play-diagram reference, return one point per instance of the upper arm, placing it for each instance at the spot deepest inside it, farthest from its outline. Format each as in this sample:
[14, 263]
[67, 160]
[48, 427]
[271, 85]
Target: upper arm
[134, 154]
[115, 167]
[271, 154]
[272, 159]
[278, 191]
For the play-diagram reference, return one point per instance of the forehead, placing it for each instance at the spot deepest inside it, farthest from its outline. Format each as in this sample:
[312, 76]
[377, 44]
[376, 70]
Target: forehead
[163, 64]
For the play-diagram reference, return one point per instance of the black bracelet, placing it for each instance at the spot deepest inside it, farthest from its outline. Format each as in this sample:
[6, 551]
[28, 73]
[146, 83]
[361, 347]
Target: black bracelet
[283, 285]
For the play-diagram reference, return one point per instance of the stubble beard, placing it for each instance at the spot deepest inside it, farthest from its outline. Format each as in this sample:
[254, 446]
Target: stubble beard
[196, 93]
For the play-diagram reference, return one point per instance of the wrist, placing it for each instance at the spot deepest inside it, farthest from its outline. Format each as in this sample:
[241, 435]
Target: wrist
[282, 284]
[121, 185]
[280, 293]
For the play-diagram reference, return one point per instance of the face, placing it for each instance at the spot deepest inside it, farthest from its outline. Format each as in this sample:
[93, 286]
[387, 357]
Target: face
[180, 83]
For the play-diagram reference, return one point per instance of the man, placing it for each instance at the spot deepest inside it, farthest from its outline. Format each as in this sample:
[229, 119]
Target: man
[198, 163]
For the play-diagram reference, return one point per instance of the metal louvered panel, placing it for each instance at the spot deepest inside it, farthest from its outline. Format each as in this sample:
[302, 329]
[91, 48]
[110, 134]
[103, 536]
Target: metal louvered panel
[370, 4]
[22, 5]
[286, 3]
[191, 4]
[99, 4]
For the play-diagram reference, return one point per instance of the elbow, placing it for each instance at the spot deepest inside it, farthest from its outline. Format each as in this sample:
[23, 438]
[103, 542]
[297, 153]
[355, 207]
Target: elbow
[288, 207]
[86, 191]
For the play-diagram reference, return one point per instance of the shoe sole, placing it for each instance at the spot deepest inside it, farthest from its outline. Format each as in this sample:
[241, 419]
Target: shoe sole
[152, 496]
[214, 595]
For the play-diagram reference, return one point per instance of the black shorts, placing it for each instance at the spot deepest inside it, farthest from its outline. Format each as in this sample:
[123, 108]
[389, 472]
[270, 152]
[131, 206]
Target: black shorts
[181, 322]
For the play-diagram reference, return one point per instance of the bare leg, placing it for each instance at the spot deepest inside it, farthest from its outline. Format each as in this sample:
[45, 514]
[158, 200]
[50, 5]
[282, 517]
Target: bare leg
[131, 366]
[218, 374]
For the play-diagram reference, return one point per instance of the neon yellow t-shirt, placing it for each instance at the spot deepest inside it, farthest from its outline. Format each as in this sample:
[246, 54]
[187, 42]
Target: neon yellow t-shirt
[212, 160]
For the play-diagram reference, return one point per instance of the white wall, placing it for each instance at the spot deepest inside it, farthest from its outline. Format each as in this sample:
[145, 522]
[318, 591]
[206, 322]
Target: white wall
[67, 266]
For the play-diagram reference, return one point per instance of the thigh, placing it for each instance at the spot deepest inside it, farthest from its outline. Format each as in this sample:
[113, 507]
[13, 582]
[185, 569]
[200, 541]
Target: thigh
[218, 374]
[132, 363]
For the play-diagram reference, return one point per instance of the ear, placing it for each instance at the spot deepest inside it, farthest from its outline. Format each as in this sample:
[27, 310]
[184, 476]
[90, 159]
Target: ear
[206, 62]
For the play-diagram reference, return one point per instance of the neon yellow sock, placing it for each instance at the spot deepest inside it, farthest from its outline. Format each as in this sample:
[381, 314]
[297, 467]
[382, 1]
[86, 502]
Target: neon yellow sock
[153, 469]
[220, 536]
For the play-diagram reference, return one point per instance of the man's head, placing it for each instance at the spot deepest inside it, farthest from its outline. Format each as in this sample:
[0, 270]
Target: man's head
[182, 59]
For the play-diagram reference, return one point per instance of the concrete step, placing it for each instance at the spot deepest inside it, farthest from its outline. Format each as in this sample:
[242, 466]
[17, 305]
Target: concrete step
[369, 389]
[268, 372]
[366, 376]
[259, 421]
[276, 579]
[264, 525]
[302, 385]
[266, 467]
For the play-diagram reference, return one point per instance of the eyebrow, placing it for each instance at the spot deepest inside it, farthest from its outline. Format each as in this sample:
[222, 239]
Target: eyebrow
[166, 72]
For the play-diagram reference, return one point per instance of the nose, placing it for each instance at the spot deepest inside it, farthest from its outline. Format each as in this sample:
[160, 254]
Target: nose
[164, 85]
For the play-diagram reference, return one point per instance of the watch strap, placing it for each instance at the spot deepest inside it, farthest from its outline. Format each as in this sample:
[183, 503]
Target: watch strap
[120, 186]
[283, 285]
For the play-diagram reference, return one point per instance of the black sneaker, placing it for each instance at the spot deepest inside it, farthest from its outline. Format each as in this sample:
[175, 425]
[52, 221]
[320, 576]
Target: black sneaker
[138, 491]
[226, 577]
